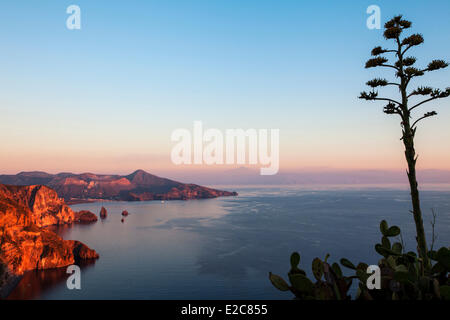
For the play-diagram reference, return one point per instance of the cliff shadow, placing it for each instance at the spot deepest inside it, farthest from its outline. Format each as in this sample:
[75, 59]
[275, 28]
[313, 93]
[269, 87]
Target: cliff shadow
[36, 282]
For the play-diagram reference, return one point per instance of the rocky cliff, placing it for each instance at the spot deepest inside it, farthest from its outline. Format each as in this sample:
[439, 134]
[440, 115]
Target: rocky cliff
[24, 242]
[39, 205]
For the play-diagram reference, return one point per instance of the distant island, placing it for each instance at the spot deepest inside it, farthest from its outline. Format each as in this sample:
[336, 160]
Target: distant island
[138, 186]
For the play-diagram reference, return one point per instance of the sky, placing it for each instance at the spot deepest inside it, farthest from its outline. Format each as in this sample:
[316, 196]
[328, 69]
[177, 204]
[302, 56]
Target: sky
[107, 97]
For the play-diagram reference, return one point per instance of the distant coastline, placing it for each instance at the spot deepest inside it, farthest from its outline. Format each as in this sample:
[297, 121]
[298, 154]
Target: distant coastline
[137, 186]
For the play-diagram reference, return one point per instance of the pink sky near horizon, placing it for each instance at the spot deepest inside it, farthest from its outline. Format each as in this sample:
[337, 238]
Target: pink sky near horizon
[59, 146]
[110, 162]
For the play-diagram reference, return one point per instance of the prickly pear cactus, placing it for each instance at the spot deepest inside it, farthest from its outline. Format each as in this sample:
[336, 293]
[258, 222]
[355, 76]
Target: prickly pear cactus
[403, 275]
[330, 284]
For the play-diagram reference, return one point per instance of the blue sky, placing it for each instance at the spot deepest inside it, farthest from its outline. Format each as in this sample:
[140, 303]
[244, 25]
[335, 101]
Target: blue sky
[137, 70]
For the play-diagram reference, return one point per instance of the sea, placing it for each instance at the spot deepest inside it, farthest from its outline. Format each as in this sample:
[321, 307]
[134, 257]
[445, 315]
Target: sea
[224, 248]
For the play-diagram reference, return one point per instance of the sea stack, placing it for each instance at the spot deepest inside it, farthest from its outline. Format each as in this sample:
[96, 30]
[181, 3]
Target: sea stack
[103, 213]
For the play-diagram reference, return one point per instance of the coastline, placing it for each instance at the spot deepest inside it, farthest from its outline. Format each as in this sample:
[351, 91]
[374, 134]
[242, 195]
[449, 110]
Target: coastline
[80, 201]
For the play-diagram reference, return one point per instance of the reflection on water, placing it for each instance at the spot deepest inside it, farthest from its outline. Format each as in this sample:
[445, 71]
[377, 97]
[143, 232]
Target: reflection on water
[35, 283]
[224, 248]
[65, 229]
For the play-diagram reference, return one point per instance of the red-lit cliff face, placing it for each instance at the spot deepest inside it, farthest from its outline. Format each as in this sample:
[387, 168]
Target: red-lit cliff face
[40, 205]
[24, 244]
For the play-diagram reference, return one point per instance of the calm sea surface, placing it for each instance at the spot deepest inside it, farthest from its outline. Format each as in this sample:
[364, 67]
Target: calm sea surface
[224, 248]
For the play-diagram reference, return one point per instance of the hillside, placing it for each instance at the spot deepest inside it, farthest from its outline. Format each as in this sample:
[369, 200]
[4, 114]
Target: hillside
[138, 186]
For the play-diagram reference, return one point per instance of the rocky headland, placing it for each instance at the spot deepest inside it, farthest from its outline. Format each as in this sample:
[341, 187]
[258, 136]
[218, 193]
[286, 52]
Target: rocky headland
[25, 243]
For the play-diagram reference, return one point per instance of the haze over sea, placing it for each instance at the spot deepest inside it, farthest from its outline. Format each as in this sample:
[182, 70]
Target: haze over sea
[223, 248]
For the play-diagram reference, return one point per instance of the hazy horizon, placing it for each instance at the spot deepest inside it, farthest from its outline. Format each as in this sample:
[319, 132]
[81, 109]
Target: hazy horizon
[306, 177]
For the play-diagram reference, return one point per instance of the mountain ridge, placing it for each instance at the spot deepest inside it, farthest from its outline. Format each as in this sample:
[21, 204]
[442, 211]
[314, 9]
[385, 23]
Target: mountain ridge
[137, 186]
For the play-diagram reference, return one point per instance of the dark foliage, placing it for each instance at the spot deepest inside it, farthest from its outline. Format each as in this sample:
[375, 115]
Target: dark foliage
[403, 275]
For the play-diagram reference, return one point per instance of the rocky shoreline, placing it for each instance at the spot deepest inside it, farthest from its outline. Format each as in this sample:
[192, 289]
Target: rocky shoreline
[25, 242]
